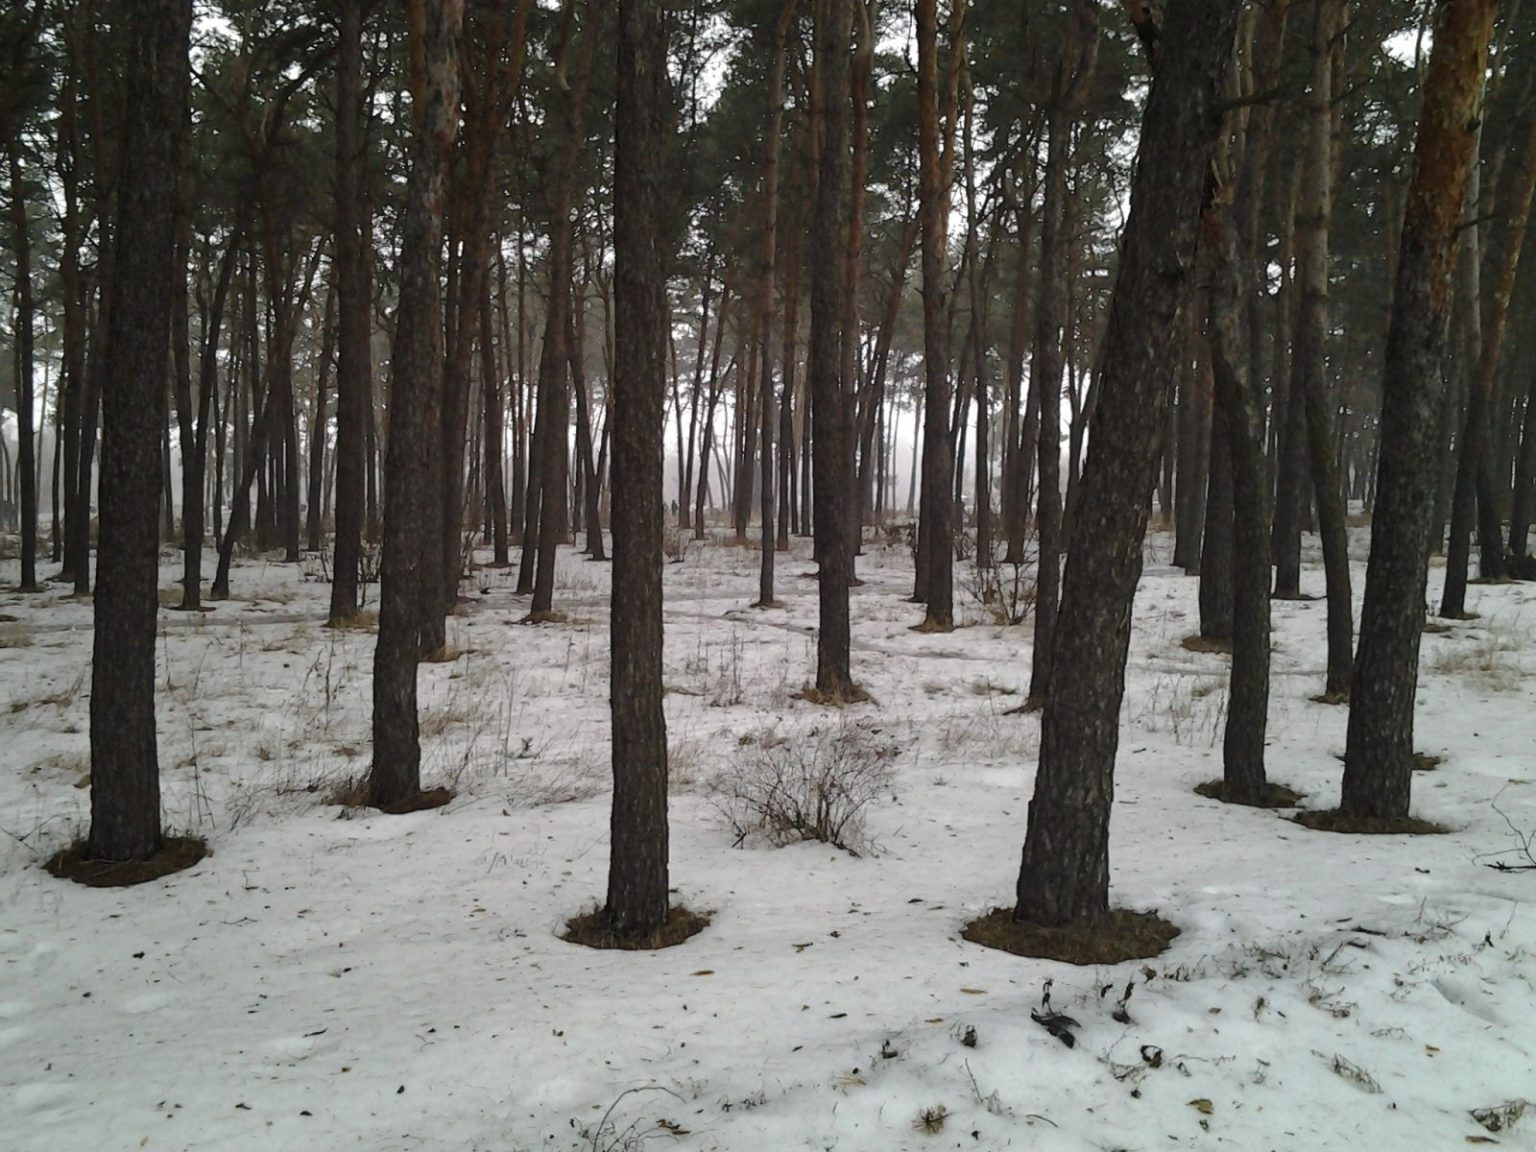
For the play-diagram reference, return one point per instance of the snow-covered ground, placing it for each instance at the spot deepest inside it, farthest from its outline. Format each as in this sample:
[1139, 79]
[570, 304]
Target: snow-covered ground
[333, 979]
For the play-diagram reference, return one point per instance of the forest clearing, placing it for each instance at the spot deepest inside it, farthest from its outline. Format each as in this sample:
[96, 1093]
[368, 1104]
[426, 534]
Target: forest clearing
[332, 977]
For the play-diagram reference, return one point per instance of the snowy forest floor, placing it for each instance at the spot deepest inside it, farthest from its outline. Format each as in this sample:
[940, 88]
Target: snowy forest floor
[332, 978]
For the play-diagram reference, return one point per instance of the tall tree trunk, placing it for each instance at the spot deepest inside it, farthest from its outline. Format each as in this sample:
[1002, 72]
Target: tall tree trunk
[1475, 474]
[194, 437]
[1314, 212]
[767, 257]
[23, 34]
[554, 387]
[410, 576]
[1239, 410]
[936, 530]
[125, 770]
[637, 870]
[829, 393]
[1064, 875]
[1216, 540]
[315, 494]
[353, 355]
[1073, 73]
[1378, 753]
[71, 285]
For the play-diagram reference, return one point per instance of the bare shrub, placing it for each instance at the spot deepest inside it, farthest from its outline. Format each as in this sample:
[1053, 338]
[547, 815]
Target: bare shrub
[1005, 591]
[809, 787]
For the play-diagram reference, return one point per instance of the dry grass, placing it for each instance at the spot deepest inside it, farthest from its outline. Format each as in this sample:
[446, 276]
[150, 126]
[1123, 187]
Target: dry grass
[1111, 939]
[364, 621]
[176, 854]
[591, 930]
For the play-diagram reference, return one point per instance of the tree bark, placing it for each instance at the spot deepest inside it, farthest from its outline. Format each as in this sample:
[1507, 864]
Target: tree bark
[410, 571]
[1378, 755]
[829, 394]
[1064, 874]
[125, 770]
[637, 871]
[1239, 411]
[353, 355]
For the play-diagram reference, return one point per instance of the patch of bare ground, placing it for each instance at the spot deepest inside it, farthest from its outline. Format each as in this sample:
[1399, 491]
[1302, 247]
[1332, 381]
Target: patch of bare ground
[1274, 796]
[545, 618]
[422, 801]
[1111, 939]
[1337, 821]
[591, 930]
[1215, 645]
[176, 854]
[851, 695]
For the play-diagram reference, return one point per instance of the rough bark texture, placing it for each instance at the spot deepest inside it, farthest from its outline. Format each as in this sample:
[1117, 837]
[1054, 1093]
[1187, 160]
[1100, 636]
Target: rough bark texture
[1064, 876]
[410, 564]
[637, 870]
[1378, 766]
[829, 397]
[352, 352]
[125, 771]
[1240, 411]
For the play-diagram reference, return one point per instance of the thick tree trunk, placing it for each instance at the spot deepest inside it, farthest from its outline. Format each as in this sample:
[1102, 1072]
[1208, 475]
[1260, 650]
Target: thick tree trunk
[1064, 874]
[637, 870]
[829, 393]
[125, 770]
[410, 571]
[1378, 756]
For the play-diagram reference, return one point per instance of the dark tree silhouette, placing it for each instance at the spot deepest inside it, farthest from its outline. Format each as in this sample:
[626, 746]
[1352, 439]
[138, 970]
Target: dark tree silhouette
[125, 770]
[1378, 751]
[1064, 877]
[637, 868]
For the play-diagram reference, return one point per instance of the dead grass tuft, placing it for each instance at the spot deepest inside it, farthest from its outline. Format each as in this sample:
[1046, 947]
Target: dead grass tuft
[176, 854]
[853, 694]
[591, 930]
[365, 621]
[1111, 939]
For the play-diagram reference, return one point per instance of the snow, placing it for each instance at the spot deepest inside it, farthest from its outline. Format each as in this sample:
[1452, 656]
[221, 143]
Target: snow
[331, 980]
